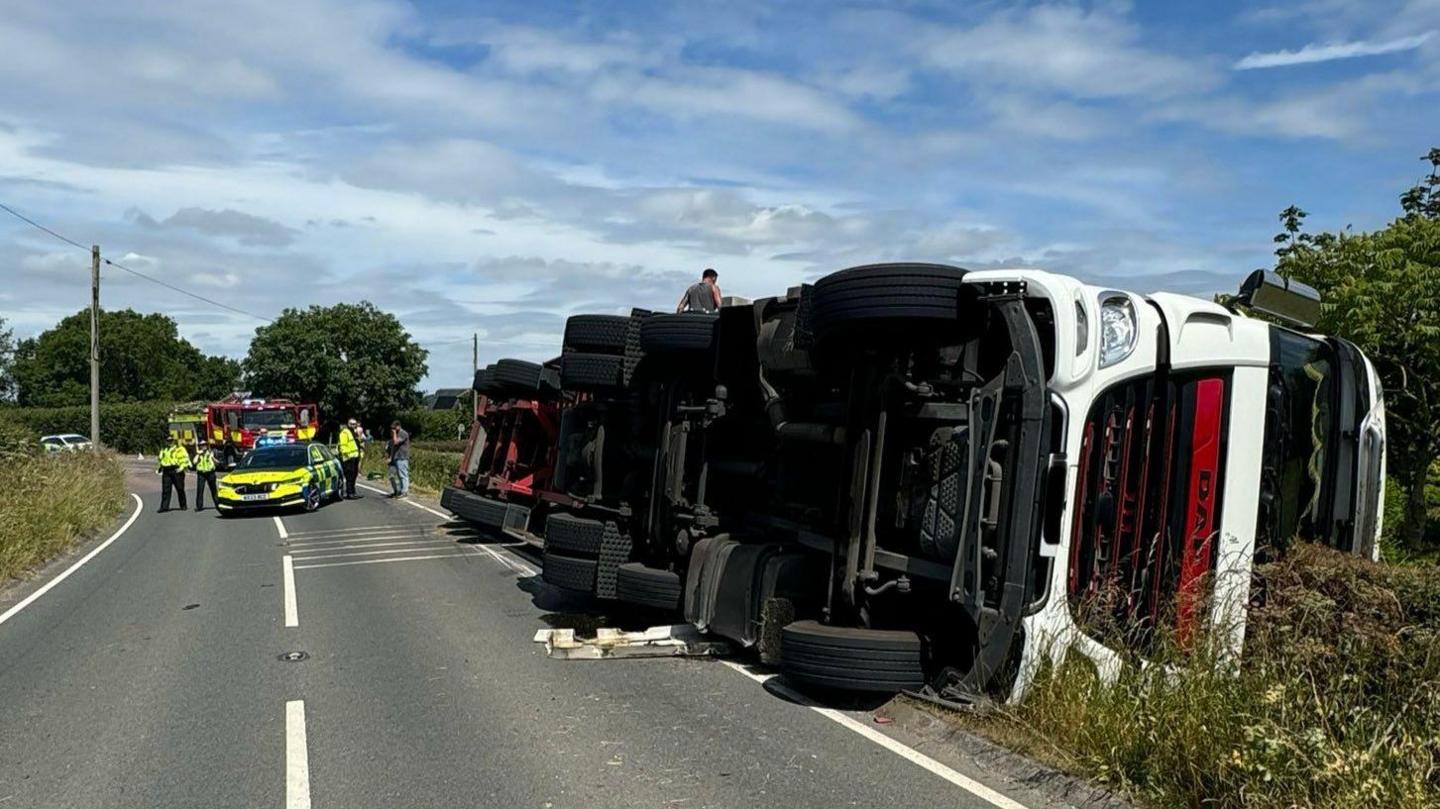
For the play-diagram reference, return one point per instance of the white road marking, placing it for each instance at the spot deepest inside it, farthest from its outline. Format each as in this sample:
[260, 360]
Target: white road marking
[297, 757]
[387, 561]
[906, 752]
[28, 600]
[280, 526]
[292, 613]
[372, 545]
[514, 564]
[335, 532]
[385, 537]
[354, 554]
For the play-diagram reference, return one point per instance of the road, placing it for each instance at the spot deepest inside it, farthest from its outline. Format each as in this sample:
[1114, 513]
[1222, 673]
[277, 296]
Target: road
[151, 677]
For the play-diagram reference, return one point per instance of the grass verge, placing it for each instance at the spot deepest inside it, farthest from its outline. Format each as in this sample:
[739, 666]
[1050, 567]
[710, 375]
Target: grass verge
[430, 471]
[51, 502]
[1336, 703]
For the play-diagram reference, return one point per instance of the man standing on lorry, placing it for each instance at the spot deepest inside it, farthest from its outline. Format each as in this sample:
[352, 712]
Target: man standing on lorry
[204, 464]
[350, 455]
[172, 465]
[703, 295]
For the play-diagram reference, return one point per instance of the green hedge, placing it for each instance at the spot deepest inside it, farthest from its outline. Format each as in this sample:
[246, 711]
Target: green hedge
[435, 425]
[430, 471]
[124, 426]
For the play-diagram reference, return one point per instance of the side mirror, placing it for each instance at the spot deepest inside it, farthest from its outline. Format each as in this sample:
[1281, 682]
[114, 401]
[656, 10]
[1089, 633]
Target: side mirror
[1290, 302]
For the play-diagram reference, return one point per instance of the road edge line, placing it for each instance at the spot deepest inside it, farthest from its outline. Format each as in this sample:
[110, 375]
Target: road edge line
[28, 600]
[292, 611]
[895, 746]
[297, 757]
[280, 526]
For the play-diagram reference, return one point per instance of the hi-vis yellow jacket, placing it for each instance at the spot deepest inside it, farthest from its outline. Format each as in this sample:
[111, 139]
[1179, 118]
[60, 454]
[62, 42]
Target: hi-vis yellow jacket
[174, 457]
[349, 448]
[204, 461]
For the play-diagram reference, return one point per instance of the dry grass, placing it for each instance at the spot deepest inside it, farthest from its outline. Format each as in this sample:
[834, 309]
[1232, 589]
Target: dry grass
[50, 502]
[1336, 704]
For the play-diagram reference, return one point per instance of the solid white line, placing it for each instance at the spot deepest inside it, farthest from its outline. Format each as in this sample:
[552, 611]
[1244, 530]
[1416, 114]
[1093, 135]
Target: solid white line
[292, 613]
[377, 538]
[513, 564]
[910, 754]
[385, 561]
[373, 545]
[27, 600]
[333, 532]
[297, 757]
[280, 526]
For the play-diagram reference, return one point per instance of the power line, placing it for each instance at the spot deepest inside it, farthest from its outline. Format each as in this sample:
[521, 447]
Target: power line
[31, 222]
[135, 273]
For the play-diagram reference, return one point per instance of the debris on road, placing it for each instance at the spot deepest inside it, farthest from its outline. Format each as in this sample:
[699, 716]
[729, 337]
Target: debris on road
[677, 640]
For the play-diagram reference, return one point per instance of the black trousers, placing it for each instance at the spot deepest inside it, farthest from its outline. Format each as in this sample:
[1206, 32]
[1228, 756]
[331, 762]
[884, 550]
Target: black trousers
[352, 471]
[203, 479]
[171, 479]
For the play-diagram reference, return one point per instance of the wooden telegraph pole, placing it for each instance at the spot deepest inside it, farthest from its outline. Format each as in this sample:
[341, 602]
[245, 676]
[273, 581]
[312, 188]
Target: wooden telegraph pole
[474, 369]
[95, 346]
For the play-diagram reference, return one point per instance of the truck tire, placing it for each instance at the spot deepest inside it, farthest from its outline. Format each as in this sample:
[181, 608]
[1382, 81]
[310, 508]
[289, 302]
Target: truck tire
[573, 536]
[671, 333]
[893, 293]
[482, 380]
[648, 586]
[483, 510]
[568, 572]
[851, 658]
[596, 334]
[516, 375]
[591, 372]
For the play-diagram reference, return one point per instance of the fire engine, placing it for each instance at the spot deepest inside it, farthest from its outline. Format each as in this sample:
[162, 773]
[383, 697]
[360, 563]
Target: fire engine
[239, 423]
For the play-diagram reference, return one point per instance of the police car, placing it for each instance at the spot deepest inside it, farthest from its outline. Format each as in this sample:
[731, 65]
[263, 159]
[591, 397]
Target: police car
[282, 476]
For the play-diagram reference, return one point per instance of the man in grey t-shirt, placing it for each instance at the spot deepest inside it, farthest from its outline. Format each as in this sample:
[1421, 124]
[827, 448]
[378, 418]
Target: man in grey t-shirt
[702, 296]
[397, 450]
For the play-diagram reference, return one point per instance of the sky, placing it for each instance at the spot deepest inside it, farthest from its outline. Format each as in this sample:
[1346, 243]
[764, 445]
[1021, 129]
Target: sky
[491, 168]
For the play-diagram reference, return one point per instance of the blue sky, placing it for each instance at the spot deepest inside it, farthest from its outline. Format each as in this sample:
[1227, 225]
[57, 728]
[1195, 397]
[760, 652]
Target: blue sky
[494, 167]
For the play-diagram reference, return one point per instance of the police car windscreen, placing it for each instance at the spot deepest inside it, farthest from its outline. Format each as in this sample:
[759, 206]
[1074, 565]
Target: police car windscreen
[255, 419]
[288, 457]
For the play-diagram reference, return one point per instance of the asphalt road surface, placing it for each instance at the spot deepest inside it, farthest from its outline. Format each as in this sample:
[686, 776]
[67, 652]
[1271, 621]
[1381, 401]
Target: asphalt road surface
[152, 677]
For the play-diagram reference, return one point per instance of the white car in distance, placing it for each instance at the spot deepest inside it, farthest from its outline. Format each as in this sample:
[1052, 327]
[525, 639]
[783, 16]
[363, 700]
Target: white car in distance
[65, 442]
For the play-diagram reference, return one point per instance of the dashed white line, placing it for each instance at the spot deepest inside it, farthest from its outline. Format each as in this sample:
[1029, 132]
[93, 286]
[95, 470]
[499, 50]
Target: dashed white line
[297, 757]
[28, 600]
[280, 526]
[287, 569]
[910, 754]
[387, 561]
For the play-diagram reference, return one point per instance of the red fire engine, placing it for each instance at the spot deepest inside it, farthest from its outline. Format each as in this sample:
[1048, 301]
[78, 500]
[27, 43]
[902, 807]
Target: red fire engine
[238, 423]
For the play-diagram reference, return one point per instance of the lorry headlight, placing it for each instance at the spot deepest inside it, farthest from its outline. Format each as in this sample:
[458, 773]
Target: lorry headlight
[1117, 329]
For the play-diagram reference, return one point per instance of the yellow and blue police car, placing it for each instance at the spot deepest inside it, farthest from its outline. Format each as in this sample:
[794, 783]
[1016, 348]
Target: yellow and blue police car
[282, 476]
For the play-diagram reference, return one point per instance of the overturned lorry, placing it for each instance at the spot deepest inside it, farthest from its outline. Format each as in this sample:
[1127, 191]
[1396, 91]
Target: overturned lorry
[910, 474]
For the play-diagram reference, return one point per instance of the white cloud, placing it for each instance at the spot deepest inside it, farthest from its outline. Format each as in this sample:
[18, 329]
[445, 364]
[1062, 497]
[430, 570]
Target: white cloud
[1312, 53]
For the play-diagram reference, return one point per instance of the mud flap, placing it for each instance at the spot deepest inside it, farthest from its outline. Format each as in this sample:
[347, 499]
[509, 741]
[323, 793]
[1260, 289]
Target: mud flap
[732, 586]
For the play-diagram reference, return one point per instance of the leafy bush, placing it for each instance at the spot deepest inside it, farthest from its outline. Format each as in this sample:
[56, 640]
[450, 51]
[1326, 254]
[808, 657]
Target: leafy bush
[16, 440]
[1336, 703]
[434, 425]
[442, 446]
[124, 426]
[51, 501]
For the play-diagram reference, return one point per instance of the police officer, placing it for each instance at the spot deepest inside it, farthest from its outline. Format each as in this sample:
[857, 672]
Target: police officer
[204, 476]
[174, 460]
[350, 456]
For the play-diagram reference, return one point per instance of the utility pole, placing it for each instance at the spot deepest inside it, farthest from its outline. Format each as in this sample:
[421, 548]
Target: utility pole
[474, 369]
[95, 346]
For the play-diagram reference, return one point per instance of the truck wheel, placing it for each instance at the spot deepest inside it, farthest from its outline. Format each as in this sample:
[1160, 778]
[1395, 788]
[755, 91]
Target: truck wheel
[598, 334]
[671, 333]
[648, 586]
[588, 372]
[851, 658]
[569, 572]
[516, 375]
[572, 535]
[909, 294]
[482, 380]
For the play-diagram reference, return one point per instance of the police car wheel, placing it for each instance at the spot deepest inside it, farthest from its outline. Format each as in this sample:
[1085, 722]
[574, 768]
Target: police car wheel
[312, 498]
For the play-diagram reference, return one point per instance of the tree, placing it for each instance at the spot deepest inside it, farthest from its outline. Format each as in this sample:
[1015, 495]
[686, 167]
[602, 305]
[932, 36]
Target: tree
[350, 359]
[142, 357]
[7, 362]
[1381, 291]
